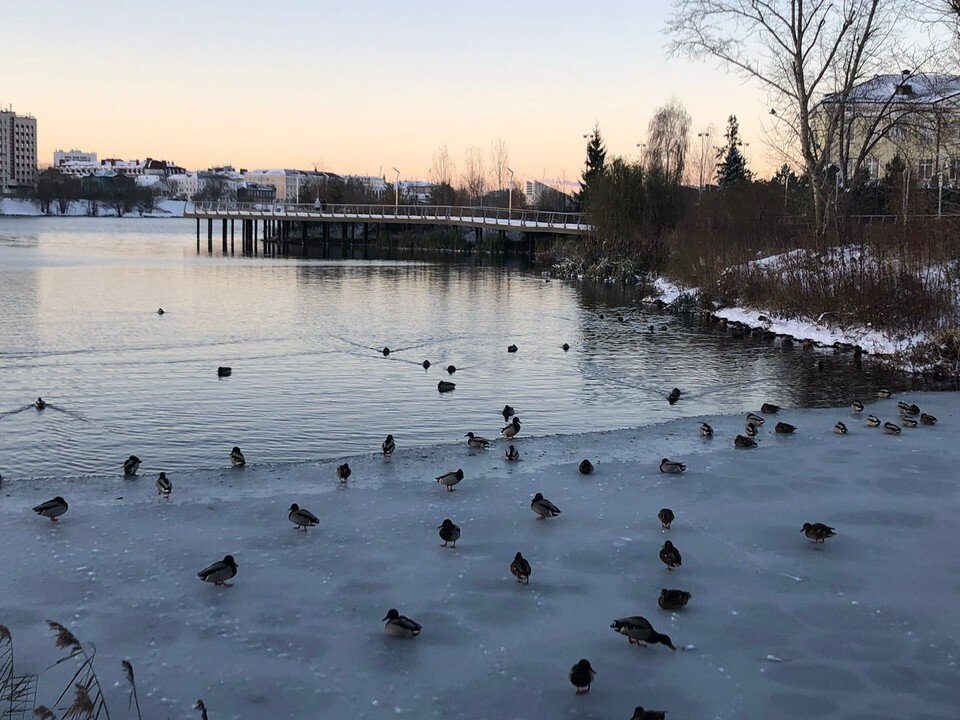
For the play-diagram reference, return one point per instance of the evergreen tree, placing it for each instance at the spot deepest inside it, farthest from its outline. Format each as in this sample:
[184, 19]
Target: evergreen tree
[731, 164]
[596, 160]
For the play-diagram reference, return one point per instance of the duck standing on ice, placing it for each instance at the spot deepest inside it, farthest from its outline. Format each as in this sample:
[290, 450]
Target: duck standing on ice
[475, 442]
[670, 556]
[448, 480]
[449, 532]
[543, 507]
[639, 630]
[237, 458]
[581, 676]
[510, 431]
[164, 486]
[219, 572]
[52, 508]
[130, 466]
[520, 569]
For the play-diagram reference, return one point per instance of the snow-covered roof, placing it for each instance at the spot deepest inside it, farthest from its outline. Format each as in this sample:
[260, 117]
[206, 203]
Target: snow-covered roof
[920, 89]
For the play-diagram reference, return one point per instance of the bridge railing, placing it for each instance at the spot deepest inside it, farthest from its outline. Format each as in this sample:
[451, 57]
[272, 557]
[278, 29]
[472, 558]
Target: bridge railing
[493, 216]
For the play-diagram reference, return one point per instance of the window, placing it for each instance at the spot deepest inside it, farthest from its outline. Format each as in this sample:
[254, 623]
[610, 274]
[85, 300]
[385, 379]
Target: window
[926, 169]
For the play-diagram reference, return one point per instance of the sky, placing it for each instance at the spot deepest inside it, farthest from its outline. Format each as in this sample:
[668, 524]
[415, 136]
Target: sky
[356, 87]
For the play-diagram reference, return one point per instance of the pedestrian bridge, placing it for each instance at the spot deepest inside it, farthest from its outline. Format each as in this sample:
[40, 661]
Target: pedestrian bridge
[530, 221]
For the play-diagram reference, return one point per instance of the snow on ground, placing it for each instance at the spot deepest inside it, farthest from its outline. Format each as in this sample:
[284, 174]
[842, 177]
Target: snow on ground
[864, 626]
[668, 292]
[78, 208]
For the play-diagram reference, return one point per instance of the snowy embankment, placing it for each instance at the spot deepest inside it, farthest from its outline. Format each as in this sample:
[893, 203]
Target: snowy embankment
[78, 208]
[861, 626]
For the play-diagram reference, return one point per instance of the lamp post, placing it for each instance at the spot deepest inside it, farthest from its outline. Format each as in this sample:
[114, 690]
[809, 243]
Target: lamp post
[396, 190]
[510, 194]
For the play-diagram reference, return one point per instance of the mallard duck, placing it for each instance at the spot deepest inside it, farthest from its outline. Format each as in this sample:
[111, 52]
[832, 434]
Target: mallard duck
[673, 599]
[581, 676]
[565, 347]
[510, 431]
[388, 446]
[586, 467]
[857, 406]
[302, 517]
[673, 396]
[130, 465]
[425, 364]
[705, 430]
[883, 393]
[840, 428]
[782, 428]
[520, 569]
[818, 532]
[926, 419]
[448, 480]
[219, 572]
[872, 421]
[741, 441]
[237, 458]
[40, 404]
[451, 369]
[449, 532]
[398, 625]
[543, 507]
[224, 371]
[671, 467]
[666, 517]
[751, 429]
[640, 714]
[670, 556]
[164, 486]
[908, 421]
[769, 408]
[385, 351]
[753, 418]
[161, 311]
[511, 348]
[52, 508]
[475, 442]
[639, 630]
[445, 386]
[507, 412]
[513, 454]
[344, 472]
[890, 429]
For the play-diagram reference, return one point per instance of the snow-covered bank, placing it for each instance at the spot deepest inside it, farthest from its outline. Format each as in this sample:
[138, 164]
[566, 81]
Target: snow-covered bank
[778, 627]
[78, 208]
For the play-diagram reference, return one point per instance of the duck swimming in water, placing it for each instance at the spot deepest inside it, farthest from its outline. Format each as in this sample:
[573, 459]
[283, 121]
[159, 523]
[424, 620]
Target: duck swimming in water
[164, 486]
[673, 599]
[224, 371]
[130, 465]
[444, 386]
[666, 518]
[520, 569]
[398, 625]
[385, 351]
[512, 348]
[448, 480]
[581, 676]
[40, 404]
[512, 454]
[302, 518]
[673, 396]
[161, 311]
[671, 467]
[585, 467]
[510, 431]
[388, 446]
[670, 556]
[451, 369]
[449, 532]
[52, 508]
[706, 431]
[237, 458]
[425, 364]
[543, 507]
[818, 532]
[565, 347]
[507, 412]
[639, 630]
[475, 442]
[219, 572]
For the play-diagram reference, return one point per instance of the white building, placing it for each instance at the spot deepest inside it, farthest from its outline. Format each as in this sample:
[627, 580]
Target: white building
[18, 151]
[74, 156]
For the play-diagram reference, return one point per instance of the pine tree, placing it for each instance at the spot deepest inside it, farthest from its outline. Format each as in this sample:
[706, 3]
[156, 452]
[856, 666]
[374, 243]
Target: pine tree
[731, 165]
[596, 160]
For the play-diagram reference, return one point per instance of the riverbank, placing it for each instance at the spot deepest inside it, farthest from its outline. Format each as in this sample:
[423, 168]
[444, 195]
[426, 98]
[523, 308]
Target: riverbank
[17, 207]
[777, 625]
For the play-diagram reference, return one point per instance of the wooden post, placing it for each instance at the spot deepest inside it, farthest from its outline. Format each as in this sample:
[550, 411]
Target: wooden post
[209, 235]
[231, 236]
[223, 232]
[198, 236]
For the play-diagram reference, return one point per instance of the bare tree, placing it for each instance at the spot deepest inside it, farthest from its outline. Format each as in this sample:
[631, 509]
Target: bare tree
[700, 167]
[668, 138]
[500, 161]
[474, 174]
[443, 169]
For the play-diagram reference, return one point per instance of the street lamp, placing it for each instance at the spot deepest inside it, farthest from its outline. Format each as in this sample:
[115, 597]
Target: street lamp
[396, 190]
[510, 193]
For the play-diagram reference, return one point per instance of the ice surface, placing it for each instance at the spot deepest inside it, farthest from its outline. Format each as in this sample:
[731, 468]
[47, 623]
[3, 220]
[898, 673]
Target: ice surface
[863, 626]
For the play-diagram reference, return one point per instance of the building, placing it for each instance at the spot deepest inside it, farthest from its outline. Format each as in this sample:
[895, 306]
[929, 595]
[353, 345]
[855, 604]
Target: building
[18, 151]
[291, 184]
[73, 156]
[254, 193]
[921, 114]
[538, 194]
[213, 184]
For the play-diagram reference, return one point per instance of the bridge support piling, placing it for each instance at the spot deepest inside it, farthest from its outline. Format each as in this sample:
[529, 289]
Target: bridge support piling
[210, 235]
[223, 235]
[198, 236]
[231, 236]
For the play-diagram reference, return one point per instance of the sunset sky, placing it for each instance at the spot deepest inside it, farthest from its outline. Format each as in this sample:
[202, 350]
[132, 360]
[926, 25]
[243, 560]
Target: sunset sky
[355, 87]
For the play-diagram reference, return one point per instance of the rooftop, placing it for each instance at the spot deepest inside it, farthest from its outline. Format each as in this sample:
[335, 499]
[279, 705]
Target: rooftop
[919, 88]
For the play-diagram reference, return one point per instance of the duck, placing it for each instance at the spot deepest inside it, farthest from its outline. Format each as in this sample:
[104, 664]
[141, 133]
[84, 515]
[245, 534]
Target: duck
[161, 311]
[512, 454]
[673, 599]
[755, 419]
[224, 371]
[818, 532]
[908, 421]
[673, 396]
[388, 446]
[344, 472]
[840, 428]
[449, 532]
[891, 429]
[507, 412]
[883, 393]
[302, 518]
[444, 386]
[671, 467]
[807, 344]
[237, 458]
[857, 406]
[164, 486]
[386, 351]
[782, 428]
[448, 480]
[706, 431]
[640, 714]
[40, 404]
[520, 569]
[543, 507]
[219, 572]
[586, 467]
[639, 630]
[475, 442]
[872, 421]
[751, 429]
[565, 347]
[451, 369]
[130, 465]
[666, 518]
[742, 441]
[512, 348]
[398, 625]
[926, 419]
[670, 556]
[52, 508]
[510, 431]
[425, 364]
[905, 409]
[769, 408]
[581, 676]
